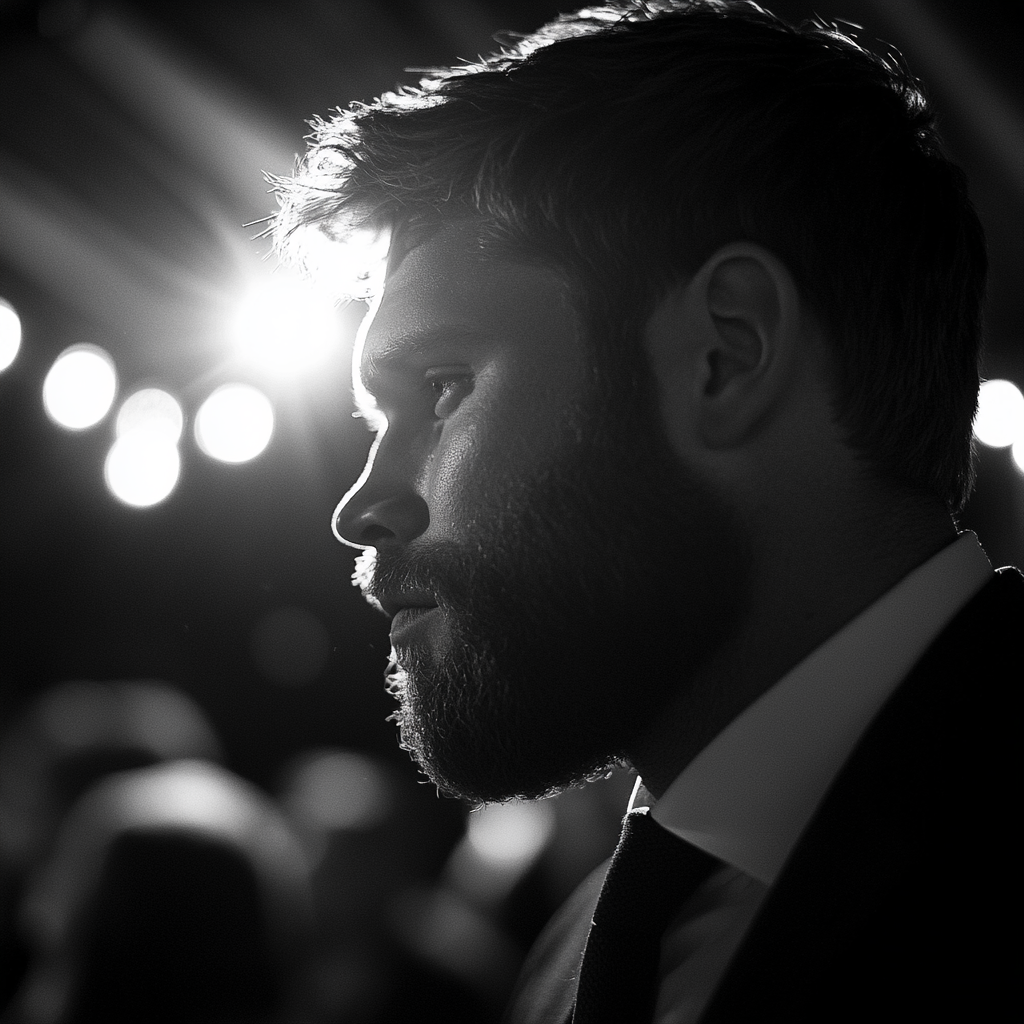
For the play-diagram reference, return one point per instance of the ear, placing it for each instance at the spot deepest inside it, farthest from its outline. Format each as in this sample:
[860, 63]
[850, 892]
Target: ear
[724, 345]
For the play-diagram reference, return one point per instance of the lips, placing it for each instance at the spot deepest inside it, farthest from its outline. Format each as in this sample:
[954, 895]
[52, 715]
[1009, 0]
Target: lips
[410, 612]
[393, 604]
[411, 621]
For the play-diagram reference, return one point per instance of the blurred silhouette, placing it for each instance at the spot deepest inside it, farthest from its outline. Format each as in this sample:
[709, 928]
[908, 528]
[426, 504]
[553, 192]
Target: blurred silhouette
[393, 944]
[417, 924]
[176, 894]
[76, 733]
[66, 740]
[521, 861]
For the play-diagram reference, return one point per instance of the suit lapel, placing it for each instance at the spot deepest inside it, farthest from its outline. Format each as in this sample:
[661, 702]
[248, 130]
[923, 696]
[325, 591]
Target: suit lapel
[547, 982]
[867, 901]
[877, 914]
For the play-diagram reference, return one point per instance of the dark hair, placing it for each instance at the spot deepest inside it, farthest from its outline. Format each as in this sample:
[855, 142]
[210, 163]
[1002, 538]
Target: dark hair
[623, 145]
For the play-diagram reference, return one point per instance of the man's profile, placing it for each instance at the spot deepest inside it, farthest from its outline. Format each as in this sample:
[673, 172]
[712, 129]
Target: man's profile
[672, 362]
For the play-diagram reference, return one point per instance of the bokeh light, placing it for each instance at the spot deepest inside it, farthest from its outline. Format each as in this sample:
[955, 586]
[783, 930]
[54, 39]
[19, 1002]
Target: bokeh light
[1000, 418]
[501, 843]
[10, 334]
[152, 411]
[142, 468]
[285, 326]
[144, 464]
[80, 387]
[338, 790]
[510, 834]
[235, 423]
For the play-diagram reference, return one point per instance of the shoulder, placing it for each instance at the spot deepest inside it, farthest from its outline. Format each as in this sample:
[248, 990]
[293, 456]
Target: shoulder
[901, 853]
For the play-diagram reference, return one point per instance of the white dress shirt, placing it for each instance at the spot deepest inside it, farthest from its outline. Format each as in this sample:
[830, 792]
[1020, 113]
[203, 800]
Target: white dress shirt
[749, 794]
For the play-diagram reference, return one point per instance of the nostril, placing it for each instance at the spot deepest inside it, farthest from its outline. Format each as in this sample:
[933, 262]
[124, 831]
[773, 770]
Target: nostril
[394, 520]
[373, 534]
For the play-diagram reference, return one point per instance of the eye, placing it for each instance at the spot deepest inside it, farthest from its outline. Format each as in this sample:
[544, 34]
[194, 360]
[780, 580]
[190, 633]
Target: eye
[448, 388]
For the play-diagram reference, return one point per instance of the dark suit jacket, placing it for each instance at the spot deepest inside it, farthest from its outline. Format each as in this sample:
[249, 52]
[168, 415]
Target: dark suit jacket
[902, 900]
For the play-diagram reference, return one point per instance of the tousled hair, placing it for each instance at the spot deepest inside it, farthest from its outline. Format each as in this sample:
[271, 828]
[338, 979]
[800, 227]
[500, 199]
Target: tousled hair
[625, 144]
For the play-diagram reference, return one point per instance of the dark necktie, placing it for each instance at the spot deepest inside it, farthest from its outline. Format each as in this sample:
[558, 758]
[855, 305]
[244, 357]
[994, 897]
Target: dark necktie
[651, 875]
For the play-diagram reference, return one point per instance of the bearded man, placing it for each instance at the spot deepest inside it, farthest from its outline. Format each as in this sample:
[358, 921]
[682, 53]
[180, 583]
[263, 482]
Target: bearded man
[673, 361]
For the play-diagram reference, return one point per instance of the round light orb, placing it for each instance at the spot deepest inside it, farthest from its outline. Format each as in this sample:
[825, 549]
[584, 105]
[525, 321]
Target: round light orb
[1000, 418]
[235, 423]
[1017, 454]
[80, 387]
[510, 834]
[142, 468]
[10, 334]
[285, 327]
[339, 790]
[151, 410]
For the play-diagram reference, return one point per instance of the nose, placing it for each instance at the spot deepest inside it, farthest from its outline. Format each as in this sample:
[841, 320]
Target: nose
[383, 507]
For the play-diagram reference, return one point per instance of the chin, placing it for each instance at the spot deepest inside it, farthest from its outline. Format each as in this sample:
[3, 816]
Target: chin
[491, 751]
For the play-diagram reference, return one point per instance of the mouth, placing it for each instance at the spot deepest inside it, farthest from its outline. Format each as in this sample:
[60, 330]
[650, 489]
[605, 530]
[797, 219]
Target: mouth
[394, 605]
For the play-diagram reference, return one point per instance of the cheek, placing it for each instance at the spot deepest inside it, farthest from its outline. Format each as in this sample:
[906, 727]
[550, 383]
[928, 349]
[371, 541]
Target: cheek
[488, 451]
[458, 476]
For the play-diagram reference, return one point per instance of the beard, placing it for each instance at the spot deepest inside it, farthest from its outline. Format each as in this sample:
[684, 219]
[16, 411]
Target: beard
[588, 594]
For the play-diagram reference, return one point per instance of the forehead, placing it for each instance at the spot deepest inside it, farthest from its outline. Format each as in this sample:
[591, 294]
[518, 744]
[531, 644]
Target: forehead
[448, 290]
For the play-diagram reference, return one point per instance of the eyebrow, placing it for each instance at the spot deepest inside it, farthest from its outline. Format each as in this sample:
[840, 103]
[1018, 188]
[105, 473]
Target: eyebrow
[402, 348]
[417, 343]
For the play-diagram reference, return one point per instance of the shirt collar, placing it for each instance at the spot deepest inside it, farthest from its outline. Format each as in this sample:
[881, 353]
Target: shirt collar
[748, 795]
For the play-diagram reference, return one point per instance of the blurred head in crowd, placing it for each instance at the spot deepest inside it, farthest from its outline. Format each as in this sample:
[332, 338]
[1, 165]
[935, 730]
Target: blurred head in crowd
[75, 734]
[175, 893]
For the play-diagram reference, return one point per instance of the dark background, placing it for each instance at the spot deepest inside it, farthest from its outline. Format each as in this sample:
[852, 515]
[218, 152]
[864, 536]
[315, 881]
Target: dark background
[133, 138]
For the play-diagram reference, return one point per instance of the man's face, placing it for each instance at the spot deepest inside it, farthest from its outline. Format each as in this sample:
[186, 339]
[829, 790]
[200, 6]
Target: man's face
[548, 565]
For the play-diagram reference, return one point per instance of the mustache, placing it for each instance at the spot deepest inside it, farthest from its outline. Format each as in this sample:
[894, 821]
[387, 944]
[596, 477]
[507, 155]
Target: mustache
[440, 569]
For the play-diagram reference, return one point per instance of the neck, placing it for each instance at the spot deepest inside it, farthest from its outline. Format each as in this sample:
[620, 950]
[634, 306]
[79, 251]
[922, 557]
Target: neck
[800, 594]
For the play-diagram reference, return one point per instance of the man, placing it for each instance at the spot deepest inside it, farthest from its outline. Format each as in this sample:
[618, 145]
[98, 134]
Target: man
[673, 372]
